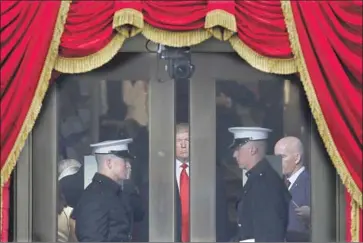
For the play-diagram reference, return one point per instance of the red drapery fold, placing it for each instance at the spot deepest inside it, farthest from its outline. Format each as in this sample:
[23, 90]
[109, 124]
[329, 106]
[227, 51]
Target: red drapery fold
[88, 28]
[337, 80]
[175, 15]
[23, 56]
[5, 206]
[261, 26]
[25, 60]
[328, 49]
[329, 32]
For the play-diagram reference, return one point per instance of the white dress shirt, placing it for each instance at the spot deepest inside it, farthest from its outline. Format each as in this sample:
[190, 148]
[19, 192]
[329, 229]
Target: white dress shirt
[292, 179]
[178, 170]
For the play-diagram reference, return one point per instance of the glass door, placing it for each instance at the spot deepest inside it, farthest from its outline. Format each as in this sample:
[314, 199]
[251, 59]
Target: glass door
[122, 99]
[134, 96]
[227, 92]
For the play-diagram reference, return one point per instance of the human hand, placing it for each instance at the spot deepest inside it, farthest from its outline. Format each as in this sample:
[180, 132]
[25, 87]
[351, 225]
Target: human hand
[303, 212]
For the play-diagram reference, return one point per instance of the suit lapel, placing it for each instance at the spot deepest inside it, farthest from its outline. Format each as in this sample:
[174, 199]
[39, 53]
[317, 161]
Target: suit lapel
[298, 181]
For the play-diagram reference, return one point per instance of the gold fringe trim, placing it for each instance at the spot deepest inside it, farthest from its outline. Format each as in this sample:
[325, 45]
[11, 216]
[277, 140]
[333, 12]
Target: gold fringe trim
[214, 19]
[175, 38]
[40, 91]
[221, 24]
[355, 221]
[265, 64]
[315, 106]
[128, 22]
[93, 61]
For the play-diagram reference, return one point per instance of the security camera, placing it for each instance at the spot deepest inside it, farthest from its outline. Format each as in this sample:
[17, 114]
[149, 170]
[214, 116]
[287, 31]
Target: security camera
[179, 65]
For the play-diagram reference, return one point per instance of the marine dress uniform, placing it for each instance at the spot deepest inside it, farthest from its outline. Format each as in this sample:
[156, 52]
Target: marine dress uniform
[106, 211]
[264, 202]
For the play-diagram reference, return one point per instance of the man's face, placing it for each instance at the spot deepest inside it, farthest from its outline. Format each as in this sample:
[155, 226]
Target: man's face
[289, 159]
[242, 155]
[182, 146]
[118, 167]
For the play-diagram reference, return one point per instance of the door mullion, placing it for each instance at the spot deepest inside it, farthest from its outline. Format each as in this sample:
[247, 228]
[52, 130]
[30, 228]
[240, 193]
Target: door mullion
[161, 162]
[203, 157]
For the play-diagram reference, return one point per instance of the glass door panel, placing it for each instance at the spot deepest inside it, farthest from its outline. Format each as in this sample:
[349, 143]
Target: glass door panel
[227, 92]
[122, 99]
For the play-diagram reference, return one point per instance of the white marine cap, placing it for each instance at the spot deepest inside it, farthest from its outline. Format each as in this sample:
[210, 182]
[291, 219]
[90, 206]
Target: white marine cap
[117, 147]
[243, 135]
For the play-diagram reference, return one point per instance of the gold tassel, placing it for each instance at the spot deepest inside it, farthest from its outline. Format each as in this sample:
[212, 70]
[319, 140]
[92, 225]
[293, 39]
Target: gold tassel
[175, 38]
[262, 63]
[128, 22]
[93, 61]
[40, 91]
[221, 24]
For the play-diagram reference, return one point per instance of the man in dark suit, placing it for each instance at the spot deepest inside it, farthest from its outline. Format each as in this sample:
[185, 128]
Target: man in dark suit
[182, 223]
[263, 206]
[182, 189]
[297, 180]
[108, 207]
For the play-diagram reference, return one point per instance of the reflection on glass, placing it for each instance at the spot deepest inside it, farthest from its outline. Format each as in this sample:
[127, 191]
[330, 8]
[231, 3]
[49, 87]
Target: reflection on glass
[91, 112]
[257, 103]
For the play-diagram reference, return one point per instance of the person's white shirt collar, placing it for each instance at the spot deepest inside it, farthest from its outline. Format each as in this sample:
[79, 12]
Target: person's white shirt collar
[292, 179]
[178, 170]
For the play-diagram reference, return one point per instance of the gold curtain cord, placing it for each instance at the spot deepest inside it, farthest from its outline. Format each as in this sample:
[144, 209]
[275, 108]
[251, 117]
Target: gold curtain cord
[90, 62]
[221, 24]
[39, 94]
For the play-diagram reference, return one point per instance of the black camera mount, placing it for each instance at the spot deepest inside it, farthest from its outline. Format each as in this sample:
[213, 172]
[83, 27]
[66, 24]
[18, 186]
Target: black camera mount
[179, 64]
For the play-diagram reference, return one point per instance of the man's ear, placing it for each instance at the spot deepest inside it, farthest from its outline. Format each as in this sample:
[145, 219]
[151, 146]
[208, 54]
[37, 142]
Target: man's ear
[109, 163]
[253, 149]
[297, 158]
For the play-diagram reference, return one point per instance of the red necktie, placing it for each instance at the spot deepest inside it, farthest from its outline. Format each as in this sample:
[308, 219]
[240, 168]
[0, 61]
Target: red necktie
[184, 199]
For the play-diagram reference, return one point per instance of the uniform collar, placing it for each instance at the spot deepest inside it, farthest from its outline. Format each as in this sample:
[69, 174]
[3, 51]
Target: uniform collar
[258, 169]
[107, 182]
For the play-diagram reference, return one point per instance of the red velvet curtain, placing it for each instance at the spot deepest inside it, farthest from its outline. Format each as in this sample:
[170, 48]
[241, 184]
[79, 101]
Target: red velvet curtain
[334, 57]
[330, 36]
[262, 27]
[88, 28]
[326, 40]
[27, 30]
[264, 30]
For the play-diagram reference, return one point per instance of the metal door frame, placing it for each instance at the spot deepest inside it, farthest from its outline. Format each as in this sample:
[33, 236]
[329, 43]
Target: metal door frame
[27, 173]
